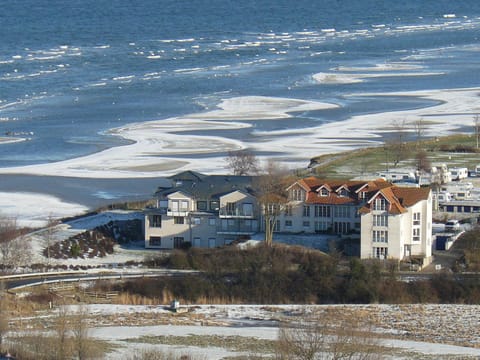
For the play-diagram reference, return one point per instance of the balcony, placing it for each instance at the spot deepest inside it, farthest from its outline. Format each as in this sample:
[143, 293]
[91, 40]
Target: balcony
[171, 212]
[235, 214]
[237, 227]
[236, 230]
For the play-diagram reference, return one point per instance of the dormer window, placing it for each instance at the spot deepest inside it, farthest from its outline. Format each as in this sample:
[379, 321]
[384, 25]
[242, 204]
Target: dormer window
[324, 192]
[380, 204]
[343, 192]
[297, 195]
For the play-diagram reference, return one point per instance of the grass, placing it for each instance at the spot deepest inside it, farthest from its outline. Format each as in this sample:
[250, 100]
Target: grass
[234, 343]
[371, 160]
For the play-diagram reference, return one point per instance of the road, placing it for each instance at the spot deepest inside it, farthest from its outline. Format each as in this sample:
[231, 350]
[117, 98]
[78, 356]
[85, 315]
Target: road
[21, 281]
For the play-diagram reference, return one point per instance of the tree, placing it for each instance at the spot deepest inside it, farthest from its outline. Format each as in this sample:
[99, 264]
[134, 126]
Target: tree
[242, 162]
[476, 128]
[423, 162]
[419, 126]
[328, 335]
[3, 316]
[271, 194]
[48, 235]
[397, 143]
[61, 329]
[14, 250]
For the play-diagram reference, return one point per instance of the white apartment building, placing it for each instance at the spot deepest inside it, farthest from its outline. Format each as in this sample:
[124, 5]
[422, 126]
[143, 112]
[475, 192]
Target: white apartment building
[391, 221]
[208, 211]
[201, 211]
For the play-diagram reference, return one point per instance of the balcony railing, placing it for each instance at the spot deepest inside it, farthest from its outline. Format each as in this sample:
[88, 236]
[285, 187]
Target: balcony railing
[237, 230]
[235, 213]
[171, 212]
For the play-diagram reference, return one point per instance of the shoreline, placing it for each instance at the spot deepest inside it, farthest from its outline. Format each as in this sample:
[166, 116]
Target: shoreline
[159, 148]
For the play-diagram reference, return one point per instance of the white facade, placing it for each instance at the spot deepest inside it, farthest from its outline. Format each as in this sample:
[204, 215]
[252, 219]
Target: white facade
[407, 234]
[200, 217]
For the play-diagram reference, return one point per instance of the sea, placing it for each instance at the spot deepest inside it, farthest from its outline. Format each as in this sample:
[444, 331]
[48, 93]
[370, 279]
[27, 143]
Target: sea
[71, 70]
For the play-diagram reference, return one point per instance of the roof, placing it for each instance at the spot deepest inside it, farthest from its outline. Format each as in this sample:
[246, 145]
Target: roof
[201, 186]
[399, 198]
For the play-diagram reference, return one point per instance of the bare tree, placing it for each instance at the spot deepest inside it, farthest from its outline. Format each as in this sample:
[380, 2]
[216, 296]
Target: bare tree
[14, 250]
[397, 143]
[423, 162]
[271, 195]
[328, 335]
[476, 128]
[242, 162]
[48, 235]
[62, 328]
[3, 316]
[419, 127]
[82, 346]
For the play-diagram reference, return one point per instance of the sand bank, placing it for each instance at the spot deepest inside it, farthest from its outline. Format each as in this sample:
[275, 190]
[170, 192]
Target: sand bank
[164, 147]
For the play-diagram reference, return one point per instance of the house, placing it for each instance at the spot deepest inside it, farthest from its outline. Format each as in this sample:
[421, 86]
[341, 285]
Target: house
[202, 211]
[389, 221]
[397, 223]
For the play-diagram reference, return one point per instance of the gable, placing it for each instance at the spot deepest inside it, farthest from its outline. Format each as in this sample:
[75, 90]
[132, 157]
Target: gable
[179, 195]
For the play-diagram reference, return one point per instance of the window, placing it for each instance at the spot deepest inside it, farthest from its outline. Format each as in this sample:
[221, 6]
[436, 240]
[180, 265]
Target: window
[288, 223]
[155, 221]
[214, 205]
[201, 205]
[178, 220]
[178, 242]
[306, 224]
[380, 220]
[380, 204]
[416, 234]
[380, 252]
[247, 209]
[288, 210]
[306, 211]
[322, 211]
[341, 227]
[297, 195]
[342, 211]
[416, 218]
[321, 226]
[324, 192]
[155, 241]
[273, 208]
[231, 208]
[184, 205]
[380, 236]
[211, 221]
[343, 192]
[196, 221]
[174, 205]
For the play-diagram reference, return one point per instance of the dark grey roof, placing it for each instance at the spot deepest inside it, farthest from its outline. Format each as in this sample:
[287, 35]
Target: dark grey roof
[202, 186]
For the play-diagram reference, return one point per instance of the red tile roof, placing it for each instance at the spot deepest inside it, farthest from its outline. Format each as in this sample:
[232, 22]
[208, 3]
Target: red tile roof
[399, 198]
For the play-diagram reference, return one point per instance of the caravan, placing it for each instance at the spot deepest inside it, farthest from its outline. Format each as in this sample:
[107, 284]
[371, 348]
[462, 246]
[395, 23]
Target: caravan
[459, 173]
[398, 176]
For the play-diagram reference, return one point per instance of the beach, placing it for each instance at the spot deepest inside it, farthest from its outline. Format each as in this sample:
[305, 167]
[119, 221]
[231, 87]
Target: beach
[101, 112]
[162, 148]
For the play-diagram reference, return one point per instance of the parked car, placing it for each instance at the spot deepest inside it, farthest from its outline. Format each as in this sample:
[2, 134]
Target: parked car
[452, 225]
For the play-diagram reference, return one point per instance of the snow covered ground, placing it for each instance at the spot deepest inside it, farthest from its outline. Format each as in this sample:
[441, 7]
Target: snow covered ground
[411, 331]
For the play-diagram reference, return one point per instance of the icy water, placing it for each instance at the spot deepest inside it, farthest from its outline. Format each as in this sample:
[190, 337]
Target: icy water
[72, 70]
